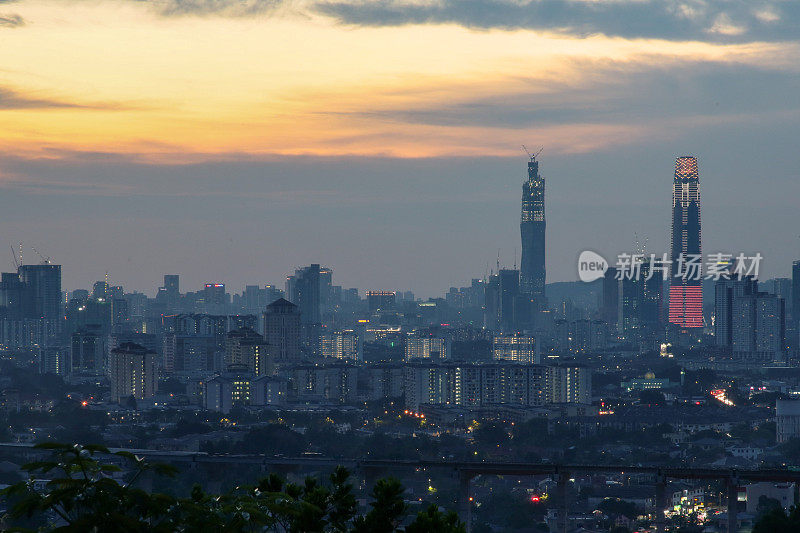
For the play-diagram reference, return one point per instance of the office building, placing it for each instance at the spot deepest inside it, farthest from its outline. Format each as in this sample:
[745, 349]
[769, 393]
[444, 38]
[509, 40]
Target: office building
[685, 292]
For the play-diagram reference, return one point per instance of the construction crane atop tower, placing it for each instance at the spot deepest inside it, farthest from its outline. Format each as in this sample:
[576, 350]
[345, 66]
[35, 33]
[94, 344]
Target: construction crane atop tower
[45, 260]
[530, 155]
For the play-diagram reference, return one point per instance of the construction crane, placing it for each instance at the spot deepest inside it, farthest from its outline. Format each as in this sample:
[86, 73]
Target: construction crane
[45, 260]
[14, 255]
[532, 156]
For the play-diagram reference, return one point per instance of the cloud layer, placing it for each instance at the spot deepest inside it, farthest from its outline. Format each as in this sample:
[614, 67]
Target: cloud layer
[704, 20]
[11, 21]
[678, 20]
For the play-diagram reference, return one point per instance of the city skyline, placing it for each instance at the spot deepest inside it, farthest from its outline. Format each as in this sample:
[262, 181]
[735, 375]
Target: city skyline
[278, 279]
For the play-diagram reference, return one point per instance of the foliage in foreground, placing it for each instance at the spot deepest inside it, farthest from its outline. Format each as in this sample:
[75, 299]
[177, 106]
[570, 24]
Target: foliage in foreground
[85, 494]
[778, 521]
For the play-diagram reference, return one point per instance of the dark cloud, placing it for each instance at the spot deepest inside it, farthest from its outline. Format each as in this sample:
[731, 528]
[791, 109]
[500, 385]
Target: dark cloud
[12, 99]
[11, 21]
[618, 94]
[236, 8]
[715, 20]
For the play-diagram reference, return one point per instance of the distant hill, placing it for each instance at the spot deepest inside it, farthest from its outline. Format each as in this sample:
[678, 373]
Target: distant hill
[586, 295]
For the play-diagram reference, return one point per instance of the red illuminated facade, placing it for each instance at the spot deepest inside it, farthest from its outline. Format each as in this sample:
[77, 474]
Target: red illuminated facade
[686, 293]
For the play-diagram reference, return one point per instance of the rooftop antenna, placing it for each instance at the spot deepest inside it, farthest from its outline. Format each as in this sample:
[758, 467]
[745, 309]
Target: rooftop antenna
[515, 258]
[14, 255]
[498, 260]
[20, 254]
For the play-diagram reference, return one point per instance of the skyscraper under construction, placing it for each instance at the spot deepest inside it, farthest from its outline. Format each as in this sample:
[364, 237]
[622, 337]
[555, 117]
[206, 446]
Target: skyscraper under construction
[532, 228]
[686, 291]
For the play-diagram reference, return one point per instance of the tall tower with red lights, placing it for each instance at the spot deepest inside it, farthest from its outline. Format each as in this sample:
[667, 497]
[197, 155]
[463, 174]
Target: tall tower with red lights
[686, 292]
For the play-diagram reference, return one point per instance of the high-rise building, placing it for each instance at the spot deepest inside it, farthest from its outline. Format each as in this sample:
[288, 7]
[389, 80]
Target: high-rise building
[44, 284]
[756, 325]
[282, 330]
[726, 290]
[571, 384]
[796, 293]
[381, 300]
[14, 302]
[493, 384]
[245, 348]
[532, 230]
[610, 305]
[240, 387]
[426, 347]
[639, 303]
[303, 289]
[172, 283]
[508, 296]
[31, 307]
[629, 309]
[326, 287]
[189, 353]
[132, 372]
[340, 345]
[685, 292]
[787, 420]
[491, 307]
[515, 347]
[171, 291]
[100, 290]
[214, 298]
[87, 351]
